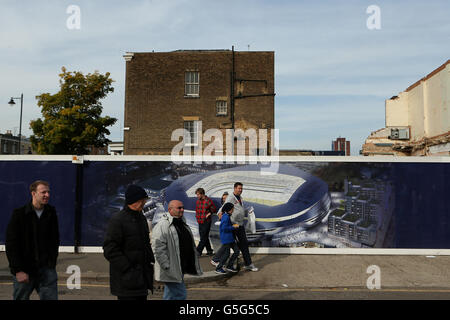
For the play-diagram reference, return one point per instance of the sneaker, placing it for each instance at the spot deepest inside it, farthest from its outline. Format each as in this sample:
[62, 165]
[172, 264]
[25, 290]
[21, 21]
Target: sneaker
[251, 267]
[220, 271]
[230, 270]
[214, 263]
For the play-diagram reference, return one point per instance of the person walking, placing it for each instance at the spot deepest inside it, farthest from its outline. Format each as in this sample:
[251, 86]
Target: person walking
[127, 248]
[32, 244]
[215, 259]
[240, 210]
[204, 208]
[175, 252]
[227, 240]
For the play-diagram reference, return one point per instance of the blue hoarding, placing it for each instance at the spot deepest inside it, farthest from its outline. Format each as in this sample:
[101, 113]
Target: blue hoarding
[333, 203]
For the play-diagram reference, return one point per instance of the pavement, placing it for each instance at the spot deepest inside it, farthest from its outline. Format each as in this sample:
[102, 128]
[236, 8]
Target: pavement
[95, 268]
[295, 271]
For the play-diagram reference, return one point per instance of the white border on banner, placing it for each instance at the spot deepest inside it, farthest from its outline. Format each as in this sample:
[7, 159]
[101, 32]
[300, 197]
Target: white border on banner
[255, 159]
[248, 159]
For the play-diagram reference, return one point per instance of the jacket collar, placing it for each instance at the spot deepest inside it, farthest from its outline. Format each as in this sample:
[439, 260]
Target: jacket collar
[241, 203]
[170, 218]
[128, 210]
[30, 209]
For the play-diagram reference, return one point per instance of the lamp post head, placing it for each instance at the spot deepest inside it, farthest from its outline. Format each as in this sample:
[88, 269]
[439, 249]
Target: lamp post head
[11, 102]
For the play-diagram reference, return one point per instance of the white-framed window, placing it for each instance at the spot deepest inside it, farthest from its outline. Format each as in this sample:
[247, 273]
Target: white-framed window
[221, 108]
[192, 128]
[192, 83]
[5, 148]
[13, 148]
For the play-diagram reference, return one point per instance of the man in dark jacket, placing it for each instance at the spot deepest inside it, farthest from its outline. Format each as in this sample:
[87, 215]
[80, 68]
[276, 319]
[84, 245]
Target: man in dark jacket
[127, 248]
[32, 243]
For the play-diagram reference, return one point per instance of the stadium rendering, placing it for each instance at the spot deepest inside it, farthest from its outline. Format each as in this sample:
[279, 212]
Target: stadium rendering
[291, 198]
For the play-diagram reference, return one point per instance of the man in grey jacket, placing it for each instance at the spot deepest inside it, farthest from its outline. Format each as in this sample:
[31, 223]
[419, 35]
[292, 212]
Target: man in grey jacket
[239, 213]
[175, 252]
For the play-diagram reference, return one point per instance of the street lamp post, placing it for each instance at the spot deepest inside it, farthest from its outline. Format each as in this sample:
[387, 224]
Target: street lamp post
[12, 103]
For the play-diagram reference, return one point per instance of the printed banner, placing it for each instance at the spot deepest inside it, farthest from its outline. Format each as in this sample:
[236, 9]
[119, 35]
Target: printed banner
[303, 204]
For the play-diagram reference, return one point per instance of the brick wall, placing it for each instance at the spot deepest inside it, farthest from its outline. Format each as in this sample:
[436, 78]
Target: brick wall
[155, 101]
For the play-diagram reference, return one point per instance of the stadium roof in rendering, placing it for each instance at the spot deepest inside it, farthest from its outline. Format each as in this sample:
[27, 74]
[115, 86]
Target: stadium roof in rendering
[268, 190]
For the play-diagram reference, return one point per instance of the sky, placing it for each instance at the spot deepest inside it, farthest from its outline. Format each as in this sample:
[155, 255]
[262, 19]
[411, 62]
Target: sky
[336, 62]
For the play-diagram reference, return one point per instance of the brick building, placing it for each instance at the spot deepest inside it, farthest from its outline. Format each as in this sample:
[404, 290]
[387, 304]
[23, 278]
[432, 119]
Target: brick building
[341, 144]
[196, 90]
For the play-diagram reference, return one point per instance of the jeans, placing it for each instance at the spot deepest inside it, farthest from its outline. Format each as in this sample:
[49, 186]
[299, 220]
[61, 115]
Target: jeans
[203, 229]
[174, 291]
[242, 243]
[226, 253]
[45, 283]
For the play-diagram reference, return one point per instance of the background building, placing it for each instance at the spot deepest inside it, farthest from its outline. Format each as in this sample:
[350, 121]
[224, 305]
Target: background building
[417, 120]
[196, 90]
[298, 152]
[341, 144]
[9, 144]
[115, 148]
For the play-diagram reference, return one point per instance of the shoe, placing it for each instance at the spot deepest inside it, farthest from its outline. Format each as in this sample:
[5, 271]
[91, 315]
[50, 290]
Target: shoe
[220, 271]
[251, 268]
[231, 269]
[214, 263]
[210, 253]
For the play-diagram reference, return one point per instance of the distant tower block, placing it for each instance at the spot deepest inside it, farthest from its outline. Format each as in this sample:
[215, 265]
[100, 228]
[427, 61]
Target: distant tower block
[341, 144]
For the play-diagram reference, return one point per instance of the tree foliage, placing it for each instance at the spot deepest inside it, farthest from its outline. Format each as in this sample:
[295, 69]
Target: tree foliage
[71, 118]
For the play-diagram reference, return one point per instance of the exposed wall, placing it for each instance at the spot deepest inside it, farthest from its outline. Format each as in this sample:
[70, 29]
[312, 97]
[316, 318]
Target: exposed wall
[424, 108]
[397, 111]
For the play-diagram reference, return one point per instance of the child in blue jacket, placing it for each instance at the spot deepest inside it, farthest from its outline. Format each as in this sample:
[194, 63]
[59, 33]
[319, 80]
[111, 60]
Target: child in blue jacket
[228, 241]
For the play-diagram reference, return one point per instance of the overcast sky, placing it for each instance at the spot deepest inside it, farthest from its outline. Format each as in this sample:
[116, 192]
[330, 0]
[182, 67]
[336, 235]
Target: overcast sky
[332, 73]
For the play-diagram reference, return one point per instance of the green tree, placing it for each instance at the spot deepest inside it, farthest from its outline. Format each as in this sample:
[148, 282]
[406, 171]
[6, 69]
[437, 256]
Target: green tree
[71, 118]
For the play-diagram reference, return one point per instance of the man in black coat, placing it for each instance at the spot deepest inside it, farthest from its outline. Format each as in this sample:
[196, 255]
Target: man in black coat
[127, 248]
[32, 243]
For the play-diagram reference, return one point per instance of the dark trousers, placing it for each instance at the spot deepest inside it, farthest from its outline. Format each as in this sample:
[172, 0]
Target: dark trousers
[225, 253]
[203, 229]
[242, 243]
[45, 283]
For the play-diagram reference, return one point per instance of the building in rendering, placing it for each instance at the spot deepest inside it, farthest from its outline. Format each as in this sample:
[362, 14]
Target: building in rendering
[417, 119]
[173, 98]
[361, 214]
